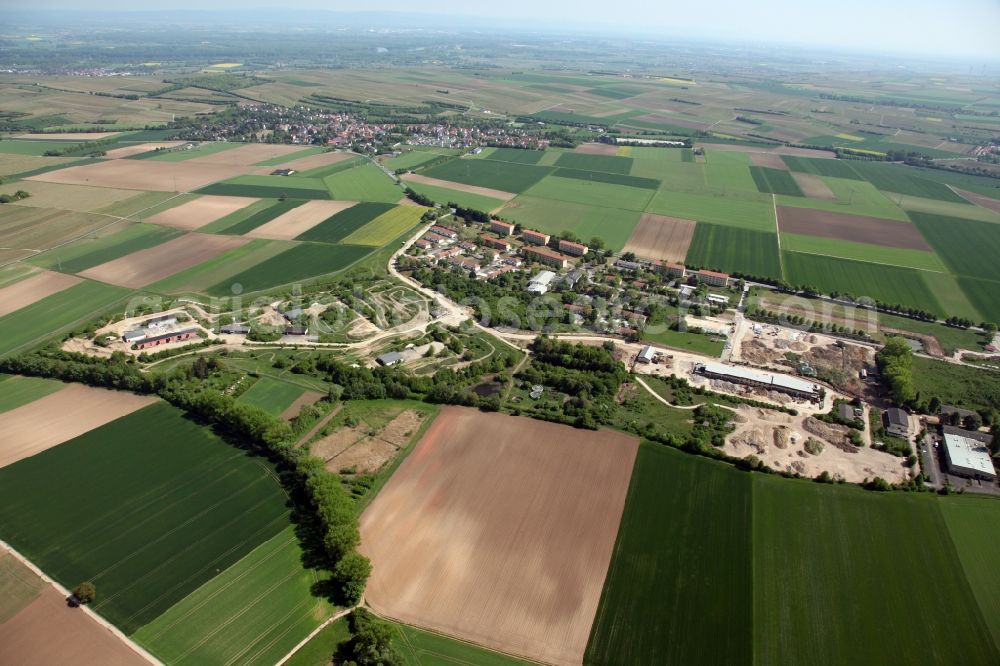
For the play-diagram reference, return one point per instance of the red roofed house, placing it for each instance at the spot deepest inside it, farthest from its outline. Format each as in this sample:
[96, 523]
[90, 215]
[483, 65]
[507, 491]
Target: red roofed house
[535, 237]
[444, 231]
[167, 338]
[673, 270]
[495, 243]
[545, 256]
[713, 278]
[502, 228]
[575, 249]
[424, 244]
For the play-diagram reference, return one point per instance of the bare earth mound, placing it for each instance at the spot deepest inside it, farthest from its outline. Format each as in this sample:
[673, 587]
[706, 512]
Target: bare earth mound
[499, 530]
[772, 160]
[661, 237]
[471, 189]
[596, 149]
[855, 228]
[299, 219]
[314, 161]
[151, 175]
[34, 288]
[61, 416]
[196, 214]
[813, 186]
[148, 266]
[246, 155]
[128, 151]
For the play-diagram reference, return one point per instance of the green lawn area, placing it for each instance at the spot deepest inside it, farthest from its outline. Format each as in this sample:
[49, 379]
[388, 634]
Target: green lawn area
[886, 284]
[339, 226]
[950, 338]
[679, 588]
[63, 310]
[504, 176]
[960, 385]
[443, 195]
[253, 612]
[591, 193]
[697, 343]
[18, 391]
[846, 576]
[878, 254]
[320, 648]
[271, 395]
[301, 262]
[853, 198]
[89, 252]
[363, 183]
[148, 507]
[736, 210]
[734, 250]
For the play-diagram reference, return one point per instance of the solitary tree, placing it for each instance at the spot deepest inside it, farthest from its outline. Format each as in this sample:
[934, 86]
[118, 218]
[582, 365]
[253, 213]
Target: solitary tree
[85, 592]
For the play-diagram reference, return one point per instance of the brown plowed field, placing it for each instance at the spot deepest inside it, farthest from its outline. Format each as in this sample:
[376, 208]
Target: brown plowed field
[148, 266]
[471, 189]
[314, 161]
[856, 228]
[777, 150]
[151, 175]
[196, 214]
[596, 149]
[61, 416]
[299, 219]
[128, 151]
[307, 398]
[813, 186]
[980, 200]
[43, 630]
[772, 160]
[499, 530]
[246, 155]
[32, 289]
[661, 237]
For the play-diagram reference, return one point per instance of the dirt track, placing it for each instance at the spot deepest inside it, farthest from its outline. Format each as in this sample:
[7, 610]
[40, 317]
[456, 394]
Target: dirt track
[61, 416]
[471, 189]
[502, 540]
[299, 219]
[156, 263]
[855, 228]
[32, 289]
[661, 237]
[203, 210]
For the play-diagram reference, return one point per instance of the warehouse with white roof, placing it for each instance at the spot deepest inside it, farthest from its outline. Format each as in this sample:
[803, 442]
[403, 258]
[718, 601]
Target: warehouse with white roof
[968, 454]
[758, 378]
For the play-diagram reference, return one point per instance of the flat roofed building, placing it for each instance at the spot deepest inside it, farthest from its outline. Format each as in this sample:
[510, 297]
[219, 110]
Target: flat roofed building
[715, 298]
[535, 237]
[968, 454]
[768, 380]
[545, 256]
[713, 278]
[575, 249]
[502, 228]
[540, 283]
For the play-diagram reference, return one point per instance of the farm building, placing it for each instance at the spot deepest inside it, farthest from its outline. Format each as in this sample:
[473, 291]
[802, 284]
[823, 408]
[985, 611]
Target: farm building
[968, 453]
[713, 278]
[133, 335]
[540, 283]
[389, 358]
[495, 243]
[897, 422]
[545, 256]
[502, 228]
[535, 237]
[575, 249]
[160, 322]
[167, 338]
[646, 355]
[766, 380]
[239, 329]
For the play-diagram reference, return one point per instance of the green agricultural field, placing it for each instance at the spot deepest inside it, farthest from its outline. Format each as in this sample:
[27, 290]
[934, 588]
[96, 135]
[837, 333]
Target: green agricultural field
[949, 337]
[269, 187]
[339, 226]
[425, 648]
[679, 588]
[386, 226]
[973, 523]
[903, 180]
[735, 250]
[755, 212]
[443, 195]
[878, 254]
[363, 183]
[516, 155]
[302, 262]
[61, 311]
[945, 208]
[584, 162]
[180, 155]
[613, 225]
[853, 197]
[411, 159]
[822, 167]
[982, 294]
[223, 223]
[29, 147]
[199, 278]
[167, 507]
[846, 576]
[969, 247]
[727, 177]
[146, 205]
[972, 388]
[254, 612]
[89, 252]
[271, 395]
[696, 343]
[886, 284]
[503, 176]
[318, 650]
[282, 159]
[18, 391]
[590, 193]
[261, 217]
[677, 176]
[609, 178]
[322, 172]
[775, 181]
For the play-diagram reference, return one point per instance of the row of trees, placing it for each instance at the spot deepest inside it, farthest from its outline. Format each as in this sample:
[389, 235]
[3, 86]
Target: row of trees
[895, 361]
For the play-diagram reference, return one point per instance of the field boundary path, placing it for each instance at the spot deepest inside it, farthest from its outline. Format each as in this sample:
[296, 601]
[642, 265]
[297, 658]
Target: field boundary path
[112, 629]
[328, 621]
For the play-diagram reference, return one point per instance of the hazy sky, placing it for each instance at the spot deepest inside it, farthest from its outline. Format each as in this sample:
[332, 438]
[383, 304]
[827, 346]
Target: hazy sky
[960, 27]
